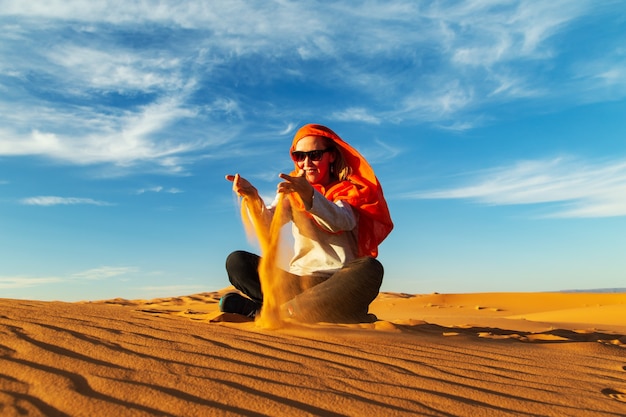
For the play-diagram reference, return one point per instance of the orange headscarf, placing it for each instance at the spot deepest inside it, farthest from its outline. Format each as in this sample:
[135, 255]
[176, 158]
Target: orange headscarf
[363, 191]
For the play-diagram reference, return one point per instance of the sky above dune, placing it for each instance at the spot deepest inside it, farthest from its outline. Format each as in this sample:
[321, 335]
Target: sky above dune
[496, 129]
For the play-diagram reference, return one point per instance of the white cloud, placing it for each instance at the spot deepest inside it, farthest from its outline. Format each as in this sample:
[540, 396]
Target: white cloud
[489, 52]
[378, 151]
[483, 33]
[289, 128]
[36, 143]
[55, 201]
[356, 114]
[91, 274]
[602, 79]
[25, 282]
[581, 189]
[415, 62]
[104, 272]
[123, 140]
[444, 100]
[116, 70]
[460, 125]
[158, 189]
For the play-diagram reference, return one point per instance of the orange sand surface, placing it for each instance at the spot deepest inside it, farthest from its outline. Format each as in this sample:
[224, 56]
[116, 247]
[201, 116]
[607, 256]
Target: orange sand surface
[490, 354]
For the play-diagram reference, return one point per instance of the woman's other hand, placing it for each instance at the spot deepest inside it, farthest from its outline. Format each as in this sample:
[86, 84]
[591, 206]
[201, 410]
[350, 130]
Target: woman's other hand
[297, 184]
[242, 186]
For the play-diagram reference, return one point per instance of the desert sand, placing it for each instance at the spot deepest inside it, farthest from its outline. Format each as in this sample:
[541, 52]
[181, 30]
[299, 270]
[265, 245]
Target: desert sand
[492, 354]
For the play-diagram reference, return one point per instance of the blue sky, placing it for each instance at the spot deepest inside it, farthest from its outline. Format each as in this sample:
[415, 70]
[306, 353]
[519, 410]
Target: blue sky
[496, 128]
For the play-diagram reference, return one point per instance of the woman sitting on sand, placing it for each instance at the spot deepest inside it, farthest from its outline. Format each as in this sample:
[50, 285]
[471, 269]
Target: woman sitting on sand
[339, 220]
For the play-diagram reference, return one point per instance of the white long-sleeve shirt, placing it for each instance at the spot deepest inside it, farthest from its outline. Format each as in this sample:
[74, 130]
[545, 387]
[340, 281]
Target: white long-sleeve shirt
[324, 241]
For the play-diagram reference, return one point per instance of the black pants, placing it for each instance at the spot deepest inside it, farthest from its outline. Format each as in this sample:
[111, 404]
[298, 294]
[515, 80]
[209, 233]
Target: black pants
[343, 297]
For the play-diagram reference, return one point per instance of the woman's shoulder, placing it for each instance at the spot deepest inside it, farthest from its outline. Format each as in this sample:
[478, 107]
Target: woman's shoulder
[342, 190]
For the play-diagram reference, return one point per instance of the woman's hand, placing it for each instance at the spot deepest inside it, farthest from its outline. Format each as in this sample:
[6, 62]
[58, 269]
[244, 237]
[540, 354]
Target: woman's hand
[297, 184]
[242, 186]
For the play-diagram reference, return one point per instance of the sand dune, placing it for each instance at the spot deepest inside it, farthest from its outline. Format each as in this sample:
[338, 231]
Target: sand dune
[435, 355]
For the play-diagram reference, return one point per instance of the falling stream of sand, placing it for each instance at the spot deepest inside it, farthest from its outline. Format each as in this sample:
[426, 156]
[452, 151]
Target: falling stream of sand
[268, 236]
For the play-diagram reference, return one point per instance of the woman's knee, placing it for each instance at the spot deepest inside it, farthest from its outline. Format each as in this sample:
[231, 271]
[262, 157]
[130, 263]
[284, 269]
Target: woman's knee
[241, 265]
[372, 265]
[368, 269]
[235, 259]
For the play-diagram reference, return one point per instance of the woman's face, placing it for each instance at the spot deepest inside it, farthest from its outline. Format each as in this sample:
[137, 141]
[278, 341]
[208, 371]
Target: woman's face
[316, 172]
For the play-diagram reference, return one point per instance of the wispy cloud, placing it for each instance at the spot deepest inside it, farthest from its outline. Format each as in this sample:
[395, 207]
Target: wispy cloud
[26, 282]
[380, 151]
[104, 272]
[55, 201]
[118, 70]
[121, 140]
[496, 33]
[98, 99]
[605, 80]
[356, 114]
[100, 273]
[289, 128]
[159, 189]
[578, 188]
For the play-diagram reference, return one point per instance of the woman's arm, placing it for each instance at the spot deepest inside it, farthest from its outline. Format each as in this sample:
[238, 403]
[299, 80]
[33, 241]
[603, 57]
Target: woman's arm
[335, 216]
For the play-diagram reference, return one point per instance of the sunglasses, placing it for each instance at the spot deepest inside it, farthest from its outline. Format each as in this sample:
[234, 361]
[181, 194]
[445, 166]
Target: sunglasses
[317, 155]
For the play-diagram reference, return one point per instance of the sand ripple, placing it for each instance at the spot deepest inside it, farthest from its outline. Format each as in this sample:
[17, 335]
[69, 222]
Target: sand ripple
[179, 357]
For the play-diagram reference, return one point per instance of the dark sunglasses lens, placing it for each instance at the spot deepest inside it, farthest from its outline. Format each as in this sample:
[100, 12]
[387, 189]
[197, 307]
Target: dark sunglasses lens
[316, 155]
[300, 156]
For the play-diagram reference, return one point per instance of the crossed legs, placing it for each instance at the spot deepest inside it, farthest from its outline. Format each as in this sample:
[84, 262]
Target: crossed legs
[345, 296]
